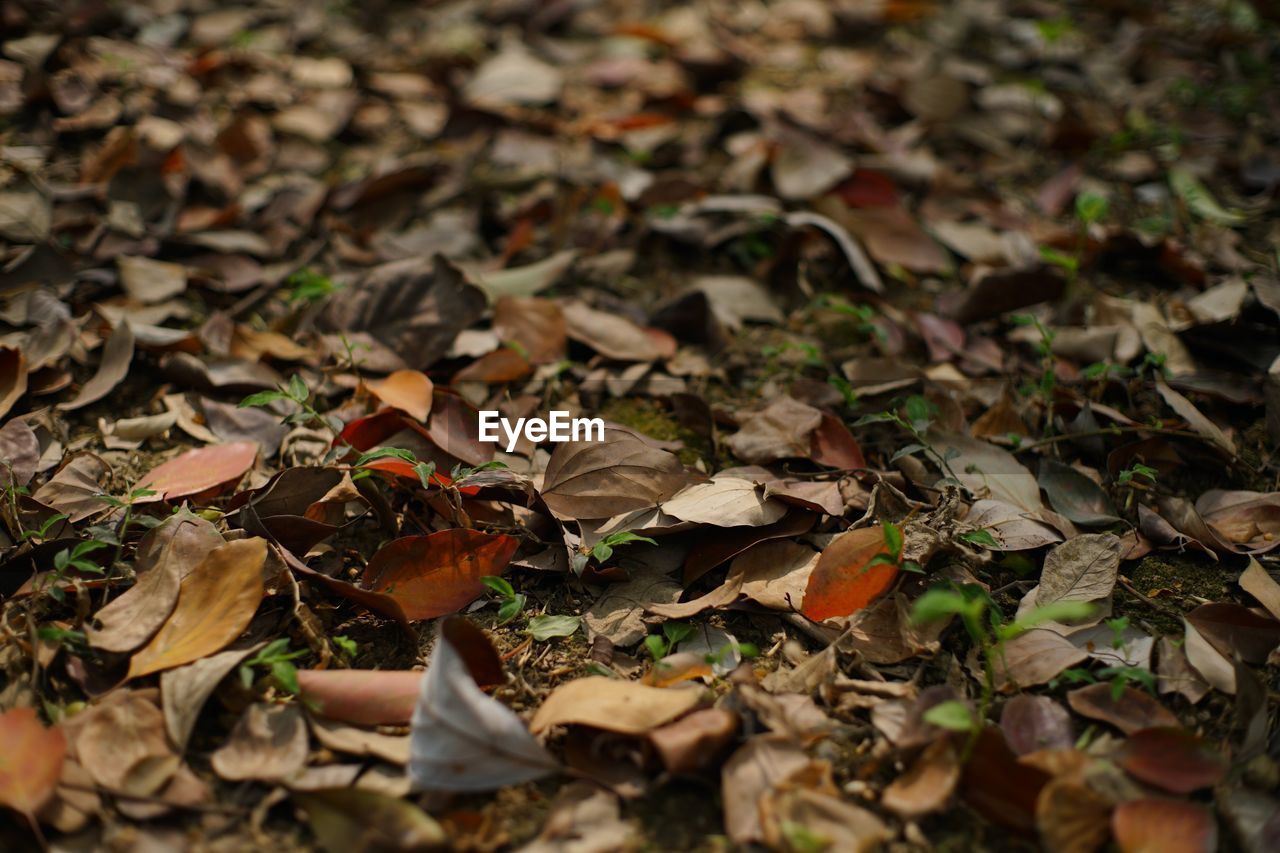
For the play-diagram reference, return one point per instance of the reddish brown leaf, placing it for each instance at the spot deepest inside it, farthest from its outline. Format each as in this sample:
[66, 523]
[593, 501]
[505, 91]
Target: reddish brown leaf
[999, 787]
[438, 574]
[502, 365]
[365, 697]
[30, 760]
[199, 472]
[844, 581]
[1031, 723]
[834, 446]
[1172, 759]
[1164, 826]
[1231, 628]
[1133, 711]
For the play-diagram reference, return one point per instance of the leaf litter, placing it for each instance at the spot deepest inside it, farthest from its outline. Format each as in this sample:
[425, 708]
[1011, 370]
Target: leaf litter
[938, 500]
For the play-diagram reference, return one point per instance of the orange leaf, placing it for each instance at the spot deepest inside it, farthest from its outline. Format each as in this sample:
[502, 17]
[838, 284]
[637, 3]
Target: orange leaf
[406, 390]
[502, 365]
[438, 574]
[1164, 826]
[30, 760]
[843, 582]
[216, 602]
[204, 470]
[364, 697]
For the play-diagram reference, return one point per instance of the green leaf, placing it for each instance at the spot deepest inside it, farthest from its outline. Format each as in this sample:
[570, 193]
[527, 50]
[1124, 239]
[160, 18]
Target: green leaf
[385, 453]
[893, 539]
[262, 398]
[1091, 207]
[510, 608]
[952, 715]
[656, 646]
[1056, 611]
[936, 604]
[880, 560]
[286, 675]
[298, 389]
[980, 537]
[499, 585]
[545, 627]
[346, 645]
[1199, 200]
[676, 632]
[907, 450]
[602, 551]
[624, 537]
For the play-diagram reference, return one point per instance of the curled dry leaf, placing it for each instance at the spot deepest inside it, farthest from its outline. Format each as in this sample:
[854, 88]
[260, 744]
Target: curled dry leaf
[438, 574]
[1257, 582]
[615, 337]
[625, 707]
[30, 760]
[216, 601]
[844, 581]
[763, 762]
[928, 783]
[365, 697]
[117, 355]
[1164, 826]
[463, 740]
[185, 689]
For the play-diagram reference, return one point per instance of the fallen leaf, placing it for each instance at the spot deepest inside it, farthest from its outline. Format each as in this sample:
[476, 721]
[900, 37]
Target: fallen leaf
[724, 502]
[1133, 711]
[1032, 723]
[410, 391]
[185, 689]
[694, 741]
[348, 819]
[1013, 528]
[783, 430]
[1253, 580]
[1172, 759]
[625, 707]
[76, 488]
[989, 471]
[340, 737]
[19, 453]
[438, 574]
[828, 819]
[513, 76]
[463, 740]
[1233, 629]
[13, 378]
[614, 336]
[582, 815]
[844, 581]
[269, 743]
[117, 355]
[1164, 826]
[1035, 657]
[761, 763]
[1076, 496]
[201, 471]
[30, 761]
[1072, 816]
[216, 601]
[164, 556]
[927, 785]
[999, 787]
[1209, 663]
[535, 325]
[148, 280]
[601, 479]
[1084, 568]
[121, 743]
[365, 697]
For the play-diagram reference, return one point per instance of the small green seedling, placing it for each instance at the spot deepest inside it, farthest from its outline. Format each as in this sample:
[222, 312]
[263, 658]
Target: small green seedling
[893, 542]
[68, 559]
[603, 550]
[307, 285]
[510, 602]
[546, 626]
[347, 646]
[277, 658]
[673, 634]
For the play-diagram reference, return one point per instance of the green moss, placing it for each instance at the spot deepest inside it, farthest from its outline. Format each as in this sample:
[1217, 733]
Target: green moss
[648, 417]
[1174, 581]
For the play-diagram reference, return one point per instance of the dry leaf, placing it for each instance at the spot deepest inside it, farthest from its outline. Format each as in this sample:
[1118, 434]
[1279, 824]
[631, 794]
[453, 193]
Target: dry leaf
[625, 707]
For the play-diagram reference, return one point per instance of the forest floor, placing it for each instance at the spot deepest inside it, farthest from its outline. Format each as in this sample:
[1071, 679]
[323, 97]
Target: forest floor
[937, 352]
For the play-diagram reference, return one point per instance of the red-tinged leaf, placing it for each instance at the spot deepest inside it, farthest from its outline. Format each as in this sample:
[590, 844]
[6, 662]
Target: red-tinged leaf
[1164, 826]
[30, 760]
[455, 429]
[999, 787]
[494, 368]
[402, 468]
[407, 390]
[363, 697]
[868, 188]
[1172, 759]
[834, 446]
[438, 574]
[844, 581]
[371, 431]
[1133, 711]
[200, 472]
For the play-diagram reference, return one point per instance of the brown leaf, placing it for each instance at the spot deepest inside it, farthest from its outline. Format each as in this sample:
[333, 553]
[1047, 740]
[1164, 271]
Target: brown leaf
[185, 689]
[1032, 723]
[1233, 629]
[999, 787]
[614, 336]
[216, 601]
[724, 502]
[928, 783]
[989, 471]
[1254, 580]
[147, 280]
[783, 430]
[30, 760]
[13, 378]
[1073, 818]
[761, 763]
[76, 488]
[164, 556]
[1172, 759]
[438, 574]
[1035, 657]
[414, 311]
[350, 819]
[625, 707]
[623, 473]
[269, 743]
[19, 453]
[1164, 826]
[844, 580]
[121, 742]
[695, 740]
[117, 355]
[1133, 711]
[1083, 568]
[410, 391]
[536, 325]
[201, 471]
